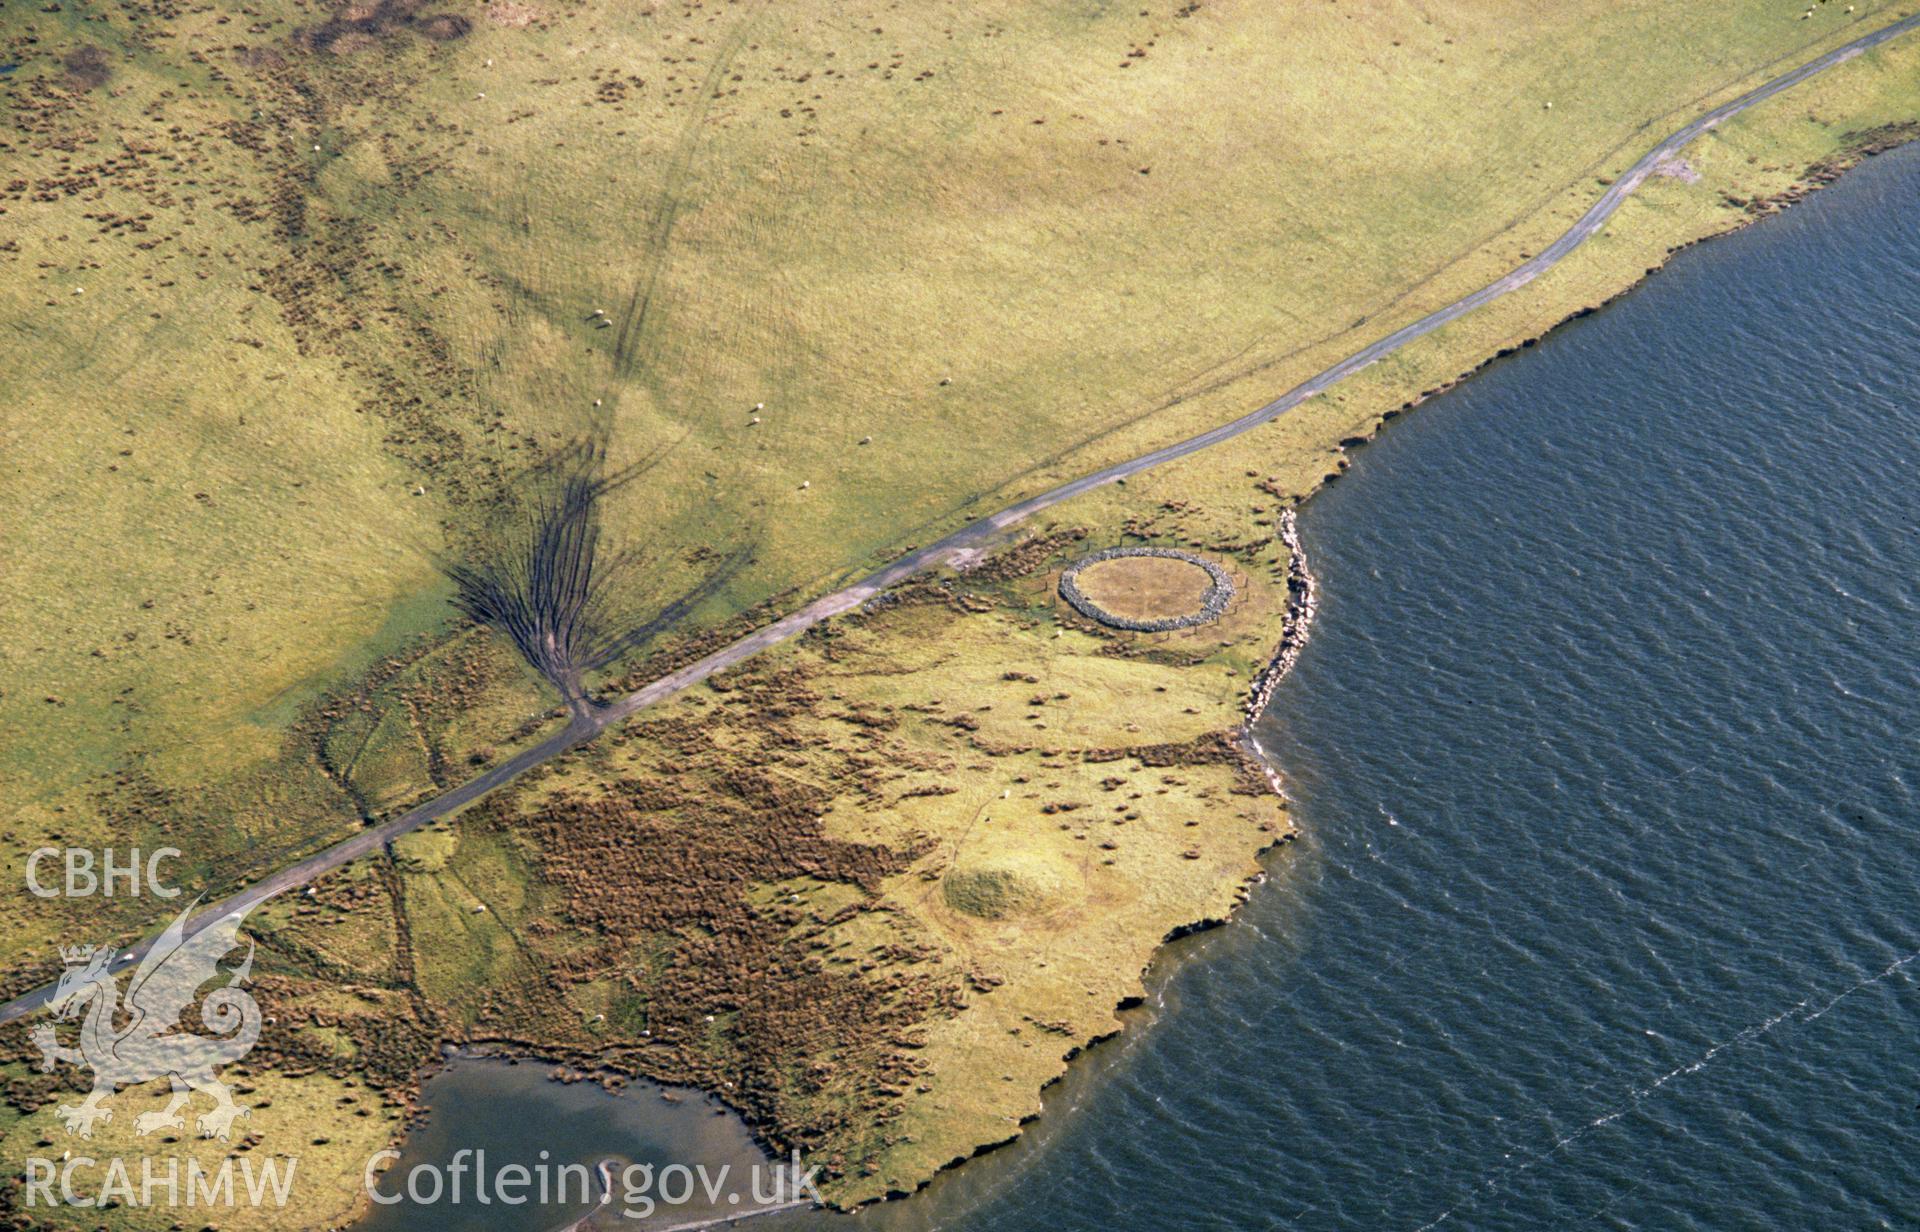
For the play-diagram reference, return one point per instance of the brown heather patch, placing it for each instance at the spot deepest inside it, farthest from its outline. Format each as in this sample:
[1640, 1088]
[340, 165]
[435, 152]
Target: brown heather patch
[87, 69]
[717, 985]
[513, 16]
[357, 27]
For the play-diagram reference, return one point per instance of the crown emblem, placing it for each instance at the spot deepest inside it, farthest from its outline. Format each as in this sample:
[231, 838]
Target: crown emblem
[76, 955]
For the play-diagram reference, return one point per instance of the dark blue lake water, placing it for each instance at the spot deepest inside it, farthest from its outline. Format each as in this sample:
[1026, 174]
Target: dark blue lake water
[1605, 751]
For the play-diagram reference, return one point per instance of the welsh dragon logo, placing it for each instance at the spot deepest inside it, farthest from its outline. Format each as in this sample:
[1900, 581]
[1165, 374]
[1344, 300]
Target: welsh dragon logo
[135, 1042]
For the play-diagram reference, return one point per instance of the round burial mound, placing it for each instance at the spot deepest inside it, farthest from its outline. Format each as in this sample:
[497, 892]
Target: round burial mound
[1017, 882]
[1148, 590]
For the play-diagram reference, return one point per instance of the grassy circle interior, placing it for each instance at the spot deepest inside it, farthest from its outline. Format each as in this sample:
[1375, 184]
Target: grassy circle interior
[1145, 587]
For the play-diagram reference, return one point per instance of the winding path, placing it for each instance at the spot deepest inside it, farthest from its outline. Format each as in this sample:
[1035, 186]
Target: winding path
[965, 543]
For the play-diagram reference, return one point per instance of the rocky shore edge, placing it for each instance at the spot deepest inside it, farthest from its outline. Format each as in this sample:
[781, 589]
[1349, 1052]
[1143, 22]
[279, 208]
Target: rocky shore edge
[1303, 604]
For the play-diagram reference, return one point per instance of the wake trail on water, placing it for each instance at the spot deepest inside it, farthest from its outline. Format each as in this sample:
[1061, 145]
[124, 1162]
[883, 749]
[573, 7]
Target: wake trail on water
[1800, 1011]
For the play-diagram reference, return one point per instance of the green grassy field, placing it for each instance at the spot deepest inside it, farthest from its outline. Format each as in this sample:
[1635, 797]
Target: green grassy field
[272, 277]
[293, 292]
